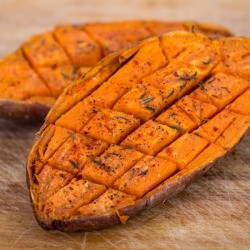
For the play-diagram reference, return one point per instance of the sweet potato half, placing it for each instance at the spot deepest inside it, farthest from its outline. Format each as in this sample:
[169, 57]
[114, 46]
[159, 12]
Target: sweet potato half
[35, 75]
[138, 128]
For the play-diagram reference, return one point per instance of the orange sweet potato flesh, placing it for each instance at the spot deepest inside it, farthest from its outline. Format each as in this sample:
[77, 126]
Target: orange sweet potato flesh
[94, 166]
[33, 77]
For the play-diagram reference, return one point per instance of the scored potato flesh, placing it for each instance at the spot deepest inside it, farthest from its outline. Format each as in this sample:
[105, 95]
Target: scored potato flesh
[47, 63]
[175, 115]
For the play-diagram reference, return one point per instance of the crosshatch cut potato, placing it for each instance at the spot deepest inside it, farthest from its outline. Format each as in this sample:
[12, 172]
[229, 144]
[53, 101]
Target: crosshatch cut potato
[35, 75]
[96, 163]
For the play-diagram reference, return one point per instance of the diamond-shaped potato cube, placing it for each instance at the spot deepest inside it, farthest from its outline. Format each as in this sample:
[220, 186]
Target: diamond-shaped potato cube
[148, 59]
[175, 117]
[184, 149]
[220, 90]
[51, 139]
[50, 180]
[174, 43]
[231, 136]
[207, 156]
[117, 36]
[99, 97]
[76, 194]
[145, 175]
[81, 48]
[242, 104]
[203, 56]
[194, 58]
[20, 81]
[75, 152]
[151, 137]
[176, 83]
[201, 93]
[213, 128]
[197, 110]
[43, 50]
[111, 126]
[111, 201]
[235, 58]
[113, 163]
[77, 117]
[143, 102]
[58, 77]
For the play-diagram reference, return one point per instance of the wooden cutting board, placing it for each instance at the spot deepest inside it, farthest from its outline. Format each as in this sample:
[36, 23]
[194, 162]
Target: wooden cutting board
[213, 213]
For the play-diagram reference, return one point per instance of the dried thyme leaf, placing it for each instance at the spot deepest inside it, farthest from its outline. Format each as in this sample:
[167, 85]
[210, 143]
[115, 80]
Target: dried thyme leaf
[147, 100]
[99, 163]
[143, 172]
[172, 114]
[71, 134]
[202, 86]
[114, 153]
[170, 94]
[74, 164]
[204, 120]
[207, 61]
[211, 80]
[152, 109]
[197, 134]
[224, 87]
[143, 94]
[65, 76]
[188, 78]
[121, 117]
[182, 86]
[69, 77]
[174, 127]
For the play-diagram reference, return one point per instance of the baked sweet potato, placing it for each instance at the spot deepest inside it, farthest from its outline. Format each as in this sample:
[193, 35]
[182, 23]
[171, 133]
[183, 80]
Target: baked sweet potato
[35, 75]
[136, 129]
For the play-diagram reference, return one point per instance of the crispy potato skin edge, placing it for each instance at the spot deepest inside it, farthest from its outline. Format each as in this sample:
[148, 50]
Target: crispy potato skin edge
[90, 223]
[22, 110]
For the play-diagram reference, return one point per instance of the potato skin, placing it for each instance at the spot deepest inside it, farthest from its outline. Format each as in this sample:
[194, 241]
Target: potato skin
[23, 110]
[158, 195]
[99, 222]
[153, 198]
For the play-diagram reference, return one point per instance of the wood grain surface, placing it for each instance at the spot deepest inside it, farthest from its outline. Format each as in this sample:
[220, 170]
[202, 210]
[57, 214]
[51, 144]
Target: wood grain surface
[213, 213]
